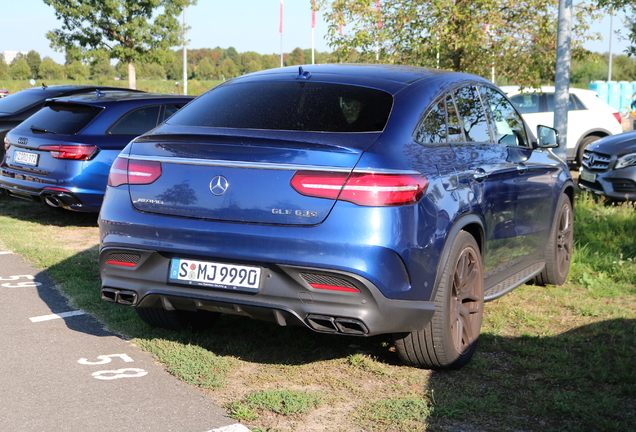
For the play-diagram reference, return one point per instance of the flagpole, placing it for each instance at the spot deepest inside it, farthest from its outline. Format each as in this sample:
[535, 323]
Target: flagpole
[280, 29]
[313, 25]
[185, 54]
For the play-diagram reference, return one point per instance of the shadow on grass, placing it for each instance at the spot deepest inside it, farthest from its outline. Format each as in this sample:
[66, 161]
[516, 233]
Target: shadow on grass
[43, 214]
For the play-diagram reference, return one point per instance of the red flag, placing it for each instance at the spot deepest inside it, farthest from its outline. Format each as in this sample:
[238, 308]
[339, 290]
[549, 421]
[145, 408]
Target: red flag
[377, 4]
[313, 13]
[280, 27]
[340, 29]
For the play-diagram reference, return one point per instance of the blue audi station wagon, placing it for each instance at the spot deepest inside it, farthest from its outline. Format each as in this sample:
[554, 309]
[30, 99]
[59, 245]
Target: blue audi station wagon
[62, 154]
[355, 200]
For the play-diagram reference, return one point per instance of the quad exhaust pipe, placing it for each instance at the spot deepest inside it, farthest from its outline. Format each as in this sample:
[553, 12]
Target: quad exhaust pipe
[126, 298]
[328, 324]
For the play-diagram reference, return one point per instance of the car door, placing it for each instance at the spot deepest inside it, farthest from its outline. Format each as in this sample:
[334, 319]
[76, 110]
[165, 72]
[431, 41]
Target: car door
[488, 171]
[533, 181]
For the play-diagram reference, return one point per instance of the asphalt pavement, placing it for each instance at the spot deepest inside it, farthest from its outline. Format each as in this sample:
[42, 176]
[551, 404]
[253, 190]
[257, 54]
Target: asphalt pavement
[61, 371]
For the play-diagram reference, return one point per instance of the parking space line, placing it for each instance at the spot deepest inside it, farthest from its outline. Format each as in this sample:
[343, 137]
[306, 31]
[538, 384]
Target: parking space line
[57, 316]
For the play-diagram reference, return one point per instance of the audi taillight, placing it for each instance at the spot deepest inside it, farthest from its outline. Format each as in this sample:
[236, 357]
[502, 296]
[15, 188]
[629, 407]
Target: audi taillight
[131, 171]
[70, 152]
[364, 189]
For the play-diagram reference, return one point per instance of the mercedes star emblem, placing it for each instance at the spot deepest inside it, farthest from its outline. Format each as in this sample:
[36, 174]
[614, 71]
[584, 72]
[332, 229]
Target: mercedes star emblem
[219, 185]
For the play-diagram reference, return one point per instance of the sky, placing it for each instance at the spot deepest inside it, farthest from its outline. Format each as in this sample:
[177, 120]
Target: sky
[247, 25]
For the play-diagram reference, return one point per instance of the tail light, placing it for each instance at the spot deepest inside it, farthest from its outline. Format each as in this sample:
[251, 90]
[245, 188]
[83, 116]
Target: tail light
[618, 118]
[131, 171]
[6, 143]
[70, 152]
[364, 189]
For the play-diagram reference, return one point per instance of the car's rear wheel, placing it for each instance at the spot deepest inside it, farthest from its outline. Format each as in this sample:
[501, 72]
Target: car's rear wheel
[558, 254]
[450, 339]
[177, 319]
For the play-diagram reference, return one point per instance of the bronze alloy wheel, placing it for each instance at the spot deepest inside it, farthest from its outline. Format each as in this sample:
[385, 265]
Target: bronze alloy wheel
[466, 300]
[450, 339]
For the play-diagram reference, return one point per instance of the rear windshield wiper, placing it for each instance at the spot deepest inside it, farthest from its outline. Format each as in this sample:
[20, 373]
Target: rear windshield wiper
[40, 130]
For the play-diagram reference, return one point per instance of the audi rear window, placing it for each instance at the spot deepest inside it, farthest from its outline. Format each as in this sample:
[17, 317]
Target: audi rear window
[61, 118]
[292, 106]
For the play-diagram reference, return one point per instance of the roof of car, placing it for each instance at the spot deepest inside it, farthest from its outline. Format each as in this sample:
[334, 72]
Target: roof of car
[398, 74]
[108, 96]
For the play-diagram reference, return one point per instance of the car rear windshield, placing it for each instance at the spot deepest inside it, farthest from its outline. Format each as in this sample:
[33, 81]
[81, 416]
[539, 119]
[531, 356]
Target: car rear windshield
[61, 118]
[294, 106]
[16, 102]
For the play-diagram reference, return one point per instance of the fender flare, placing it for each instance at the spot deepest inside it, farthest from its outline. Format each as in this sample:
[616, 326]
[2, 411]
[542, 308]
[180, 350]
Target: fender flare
[459, 225]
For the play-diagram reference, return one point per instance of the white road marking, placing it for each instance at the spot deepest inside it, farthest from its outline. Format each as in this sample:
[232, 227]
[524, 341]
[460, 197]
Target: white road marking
[57, 316]
[5, 252]
[231, 428]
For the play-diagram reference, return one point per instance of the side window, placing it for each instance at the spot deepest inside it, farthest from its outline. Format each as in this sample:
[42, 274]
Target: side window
[454, 127]
[571, 103]
[472, 115]
[433, 128]
[506, 123]
[136, 122]
[171, 109]
[527, 103]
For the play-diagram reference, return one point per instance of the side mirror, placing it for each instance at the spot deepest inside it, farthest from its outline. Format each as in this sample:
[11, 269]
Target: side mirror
[548, 137]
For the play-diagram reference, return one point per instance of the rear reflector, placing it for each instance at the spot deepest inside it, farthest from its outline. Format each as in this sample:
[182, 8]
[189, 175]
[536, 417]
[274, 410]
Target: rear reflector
[618, 117]
[70, 152]
[125, 171]
[334, 288]
[364, 189]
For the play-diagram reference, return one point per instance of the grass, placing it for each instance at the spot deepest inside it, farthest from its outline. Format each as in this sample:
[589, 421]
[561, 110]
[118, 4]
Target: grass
[195, 87]
[550, 358]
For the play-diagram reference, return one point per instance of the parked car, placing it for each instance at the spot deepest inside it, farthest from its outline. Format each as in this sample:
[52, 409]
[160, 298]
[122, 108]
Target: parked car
[589, 118]
[62, 154]
[4, 93]
[350, 199]
[609, 167]
[15, 108]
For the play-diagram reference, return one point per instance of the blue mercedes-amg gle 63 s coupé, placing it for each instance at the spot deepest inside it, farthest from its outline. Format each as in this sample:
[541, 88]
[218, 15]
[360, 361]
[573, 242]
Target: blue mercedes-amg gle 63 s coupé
[350, 199]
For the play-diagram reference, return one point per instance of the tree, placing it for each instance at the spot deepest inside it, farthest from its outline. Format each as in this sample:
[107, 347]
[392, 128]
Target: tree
[205, 70]
[297, 57]
[33, 60]
[4, 69]
[101, 68]
[76, 70]
[50, 70]
[517, 37]
[19, 69]
[140, 31]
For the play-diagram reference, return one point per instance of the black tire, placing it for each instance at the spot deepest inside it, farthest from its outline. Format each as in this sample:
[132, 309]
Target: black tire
[450, 339]
[585, 143]
[177, 319]
[558, 253]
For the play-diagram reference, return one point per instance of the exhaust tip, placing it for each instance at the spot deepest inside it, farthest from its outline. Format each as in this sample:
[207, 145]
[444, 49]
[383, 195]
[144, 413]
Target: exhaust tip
[126, 298]
[351, 326]
[53, 201]
[322, 323]
[109, 295]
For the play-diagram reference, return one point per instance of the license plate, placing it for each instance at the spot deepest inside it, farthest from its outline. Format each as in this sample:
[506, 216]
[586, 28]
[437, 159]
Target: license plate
[26, 158]
[587, 176]
[215, 275]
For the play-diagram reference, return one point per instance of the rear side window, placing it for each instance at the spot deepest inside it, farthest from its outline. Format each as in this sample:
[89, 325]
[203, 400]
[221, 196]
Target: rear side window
[527, 103]
[574, 104]
[137, 122]
[472, 115]
[170, 109]
[295, 106]
[61, 118]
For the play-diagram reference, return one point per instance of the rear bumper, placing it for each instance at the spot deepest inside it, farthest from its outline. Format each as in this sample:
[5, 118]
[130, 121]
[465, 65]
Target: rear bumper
[285, 296]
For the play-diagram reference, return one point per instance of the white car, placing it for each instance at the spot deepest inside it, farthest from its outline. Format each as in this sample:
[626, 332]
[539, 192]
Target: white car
[589, 119]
